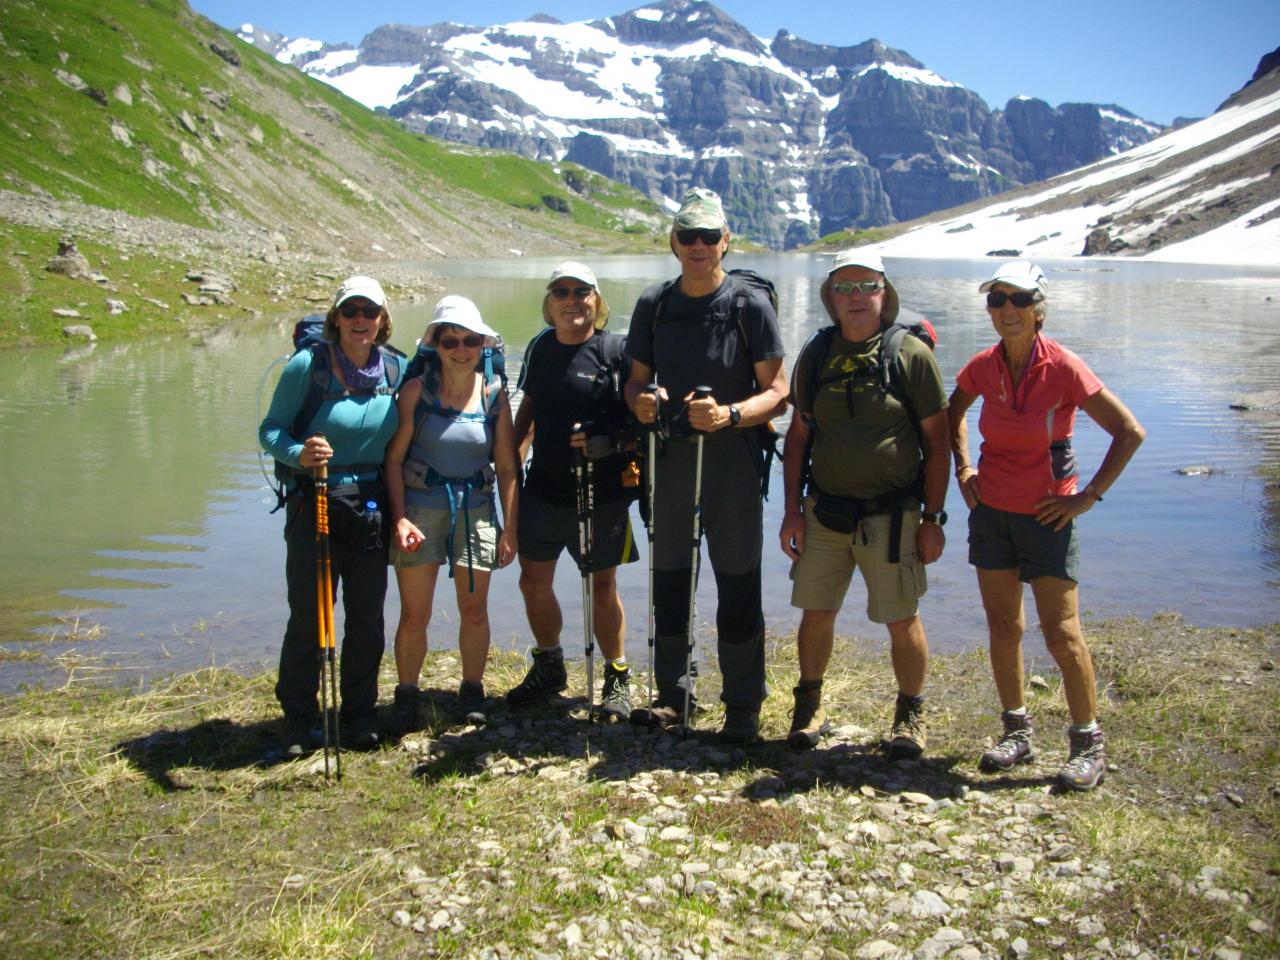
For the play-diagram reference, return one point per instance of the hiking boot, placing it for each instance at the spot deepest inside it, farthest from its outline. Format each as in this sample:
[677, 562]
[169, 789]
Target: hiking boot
[360, 732]
[660, 714]
[741, 726]
[809, 722]
[404, 709]
[545, 677]
[471, 702]
[1014, 747]
[1087, 763]
[909, 735]
[301, 735]
[615, 702]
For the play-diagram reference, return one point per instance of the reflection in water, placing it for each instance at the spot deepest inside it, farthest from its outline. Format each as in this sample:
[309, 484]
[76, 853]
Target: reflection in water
[134, 466]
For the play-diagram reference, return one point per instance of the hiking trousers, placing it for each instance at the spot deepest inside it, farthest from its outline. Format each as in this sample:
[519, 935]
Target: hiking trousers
[358, 555]
[732, 519]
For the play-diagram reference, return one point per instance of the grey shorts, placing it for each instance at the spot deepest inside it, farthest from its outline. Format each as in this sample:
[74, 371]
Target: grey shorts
[1000, 540]
[434, 524]
[821, 577]
[546, 529]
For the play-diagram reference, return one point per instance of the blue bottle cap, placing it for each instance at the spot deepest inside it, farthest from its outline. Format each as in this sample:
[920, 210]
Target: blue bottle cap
[371, 505]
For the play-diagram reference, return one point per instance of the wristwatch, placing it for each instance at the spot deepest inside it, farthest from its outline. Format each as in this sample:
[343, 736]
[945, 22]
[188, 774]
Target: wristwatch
[940, 518]
[735, 415]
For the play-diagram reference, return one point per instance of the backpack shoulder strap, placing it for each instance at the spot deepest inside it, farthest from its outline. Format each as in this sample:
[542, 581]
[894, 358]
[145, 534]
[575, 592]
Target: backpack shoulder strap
[660, 305]
[818, 345]
[392, 366]
[892, 376]
[317, 388]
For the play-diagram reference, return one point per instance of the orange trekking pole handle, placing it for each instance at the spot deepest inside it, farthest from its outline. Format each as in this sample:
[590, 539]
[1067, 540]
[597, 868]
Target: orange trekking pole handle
[324, 619]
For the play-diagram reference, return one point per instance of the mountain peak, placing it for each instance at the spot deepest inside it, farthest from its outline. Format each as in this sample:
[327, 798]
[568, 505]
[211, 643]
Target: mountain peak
[677, 22]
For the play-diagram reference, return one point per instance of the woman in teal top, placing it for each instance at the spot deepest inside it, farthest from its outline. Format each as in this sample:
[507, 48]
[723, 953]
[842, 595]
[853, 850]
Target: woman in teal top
[354, 381]
[455, 443]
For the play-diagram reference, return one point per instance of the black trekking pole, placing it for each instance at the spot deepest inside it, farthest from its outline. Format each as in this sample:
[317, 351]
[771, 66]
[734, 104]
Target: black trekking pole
[585, 471]
[324, 621]
[650, 487]
[699, 393]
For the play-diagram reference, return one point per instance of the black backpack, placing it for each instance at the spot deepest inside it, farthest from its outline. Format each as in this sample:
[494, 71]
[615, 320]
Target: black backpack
[743, 281]
[308, 334]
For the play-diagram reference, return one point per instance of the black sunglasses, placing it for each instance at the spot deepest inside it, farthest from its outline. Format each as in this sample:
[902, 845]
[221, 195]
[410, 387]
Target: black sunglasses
[371, 310]
[578, 293]
[996, 299]
[687, 238]
[470, 341]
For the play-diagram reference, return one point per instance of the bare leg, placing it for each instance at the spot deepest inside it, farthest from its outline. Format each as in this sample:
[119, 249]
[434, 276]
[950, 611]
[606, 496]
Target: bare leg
[473, 623]
[910, 652]
[1002, 599]
[417, 586]
[608, 620]
[1057, 603]
[540, 604]
[813, 643]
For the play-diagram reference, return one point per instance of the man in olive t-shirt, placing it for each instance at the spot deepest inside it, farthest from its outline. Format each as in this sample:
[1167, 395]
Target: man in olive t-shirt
[865, 491]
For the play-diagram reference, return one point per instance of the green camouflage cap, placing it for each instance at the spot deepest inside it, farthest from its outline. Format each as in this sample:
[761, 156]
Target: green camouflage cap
[701, 210]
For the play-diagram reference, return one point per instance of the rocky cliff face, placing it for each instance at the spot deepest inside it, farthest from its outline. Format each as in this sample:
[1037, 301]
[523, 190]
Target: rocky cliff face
[801, 138]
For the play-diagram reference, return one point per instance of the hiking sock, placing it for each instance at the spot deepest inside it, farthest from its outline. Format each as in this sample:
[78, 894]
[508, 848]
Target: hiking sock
[806, 686]
[1089, 727]
[619, 664]
[1020, 712]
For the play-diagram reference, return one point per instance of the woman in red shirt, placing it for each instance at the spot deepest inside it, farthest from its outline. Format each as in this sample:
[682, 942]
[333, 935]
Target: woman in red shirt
[1023, 501]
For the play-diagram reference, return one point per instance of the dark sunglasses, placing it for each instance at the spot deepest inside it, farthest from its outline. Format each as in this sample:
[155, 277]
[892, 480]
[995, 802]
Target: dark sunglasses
[470, 341]
[687, 238]
[996, 299]
[578, 293]
[371, 311]
[862, 286]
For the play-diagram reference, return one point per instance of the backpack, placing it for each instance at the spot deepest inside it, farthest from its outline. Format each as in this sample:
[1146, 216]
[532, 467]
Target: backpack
[492, 363]
[743, 282]
[613, 350]
[308, 334]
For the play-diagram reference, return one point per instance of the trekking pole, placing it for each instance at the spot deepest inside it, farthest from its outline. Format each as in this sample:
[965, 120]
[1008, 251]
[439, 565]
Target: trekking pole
[699, 393]
[650, 487]
[324, 604]
[585, 470]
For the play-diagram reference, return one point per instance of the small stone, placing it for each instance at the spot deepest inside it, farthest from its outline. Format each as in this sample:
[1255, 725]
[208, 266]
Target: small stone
[116, 307]
[1227, 953]
[1267, 666]
[66, 313]
[918, 799]
[1090, 927]
[401, 918]
[1069, 868]
[1234, 798]
[926, 903]
[1019, 949]
[1059, 853]
[1259, 926]
[439, 920]
[675, 833]
[571, 935]
[294, 881]
[876, 949]
[1038, 682]
[884, 811]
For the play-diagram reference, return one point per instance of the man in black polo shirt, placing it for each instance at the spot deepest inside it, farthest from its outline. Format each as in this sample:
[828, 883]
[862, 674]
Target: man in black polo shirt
[689, 333]
[573, 374]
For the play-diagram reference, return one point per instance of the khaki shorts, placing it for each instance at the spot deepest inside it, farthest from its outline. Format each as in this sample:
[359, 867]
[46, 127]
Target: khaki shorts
[434, 524]
[821, 576]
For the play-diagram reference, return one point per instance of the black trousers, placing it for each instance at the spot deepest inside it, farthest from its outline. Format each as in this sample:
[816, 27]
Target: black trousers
[358, 556]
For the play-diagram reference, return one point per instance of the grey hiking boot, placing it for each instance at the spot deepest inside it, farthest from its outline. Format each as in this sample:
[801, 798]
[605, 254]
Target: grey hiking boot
[471, 704]
[909, 735]
[615, 702]
[404, 709]
[741, 726]
[546, 676]
[1014, 747]
[1087, 763]
[809, 722]
[666, 711]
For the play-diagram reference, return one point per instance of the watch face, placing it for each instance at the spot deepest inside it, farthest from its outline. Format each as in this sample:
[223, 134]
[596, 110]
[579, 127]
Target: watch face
[735, 415]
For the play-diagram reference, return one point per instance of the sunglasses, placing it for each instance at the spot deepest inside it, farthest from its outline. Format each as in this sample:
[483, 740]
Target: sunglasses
[862, 286]
[996, 299]
[371, 311]
[470, 341]
[687, 238]
[578, 293]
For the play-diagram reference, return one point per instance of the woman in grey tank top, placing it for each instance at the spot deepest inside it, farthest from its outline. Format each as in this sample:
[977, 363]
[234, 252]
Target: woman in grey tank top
[454, 448]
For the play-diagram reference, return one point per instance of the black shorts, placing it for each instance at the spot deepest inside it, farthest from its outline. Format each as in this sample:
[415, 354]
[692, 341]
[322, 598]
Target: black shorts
[1000, 540]
[546, 529]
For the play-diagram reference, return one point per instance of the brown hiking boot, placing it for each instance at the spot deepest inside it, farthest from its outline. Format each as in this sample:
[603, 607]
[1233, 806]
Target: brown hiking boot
[1087, 763]
[809, 722]
[909, 736]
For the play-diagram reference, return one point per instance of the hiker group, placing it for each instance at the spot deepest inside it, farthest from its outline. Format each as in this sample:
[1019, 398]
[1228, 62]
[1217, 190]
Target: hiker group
[414, 456]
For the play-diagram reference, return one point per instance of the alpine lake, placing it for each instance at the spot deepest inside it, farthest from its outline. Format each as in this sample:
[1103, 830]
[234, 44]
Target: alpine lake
[137, 539]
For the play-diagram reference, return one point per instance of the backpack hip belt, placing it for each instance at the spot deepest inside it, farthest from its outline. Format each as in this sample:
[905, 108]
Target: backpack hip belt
[843, 514]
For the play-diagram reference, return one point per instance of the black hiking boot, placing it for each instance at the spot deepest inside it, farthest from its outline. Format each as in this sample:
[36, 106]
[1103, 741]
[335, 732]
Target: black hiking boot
[301, 735]
[546, 677]
[1014, 747]
[471, 704]
[1087, 763]
[741, 726]
[404, 709]
[615, 702]
[360, 732]
[809, 722]
[909, 735]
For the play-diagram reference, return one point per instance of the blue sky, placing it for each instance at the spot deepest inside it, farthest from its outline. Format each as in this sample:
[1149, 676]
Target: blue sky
[1159, 58]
